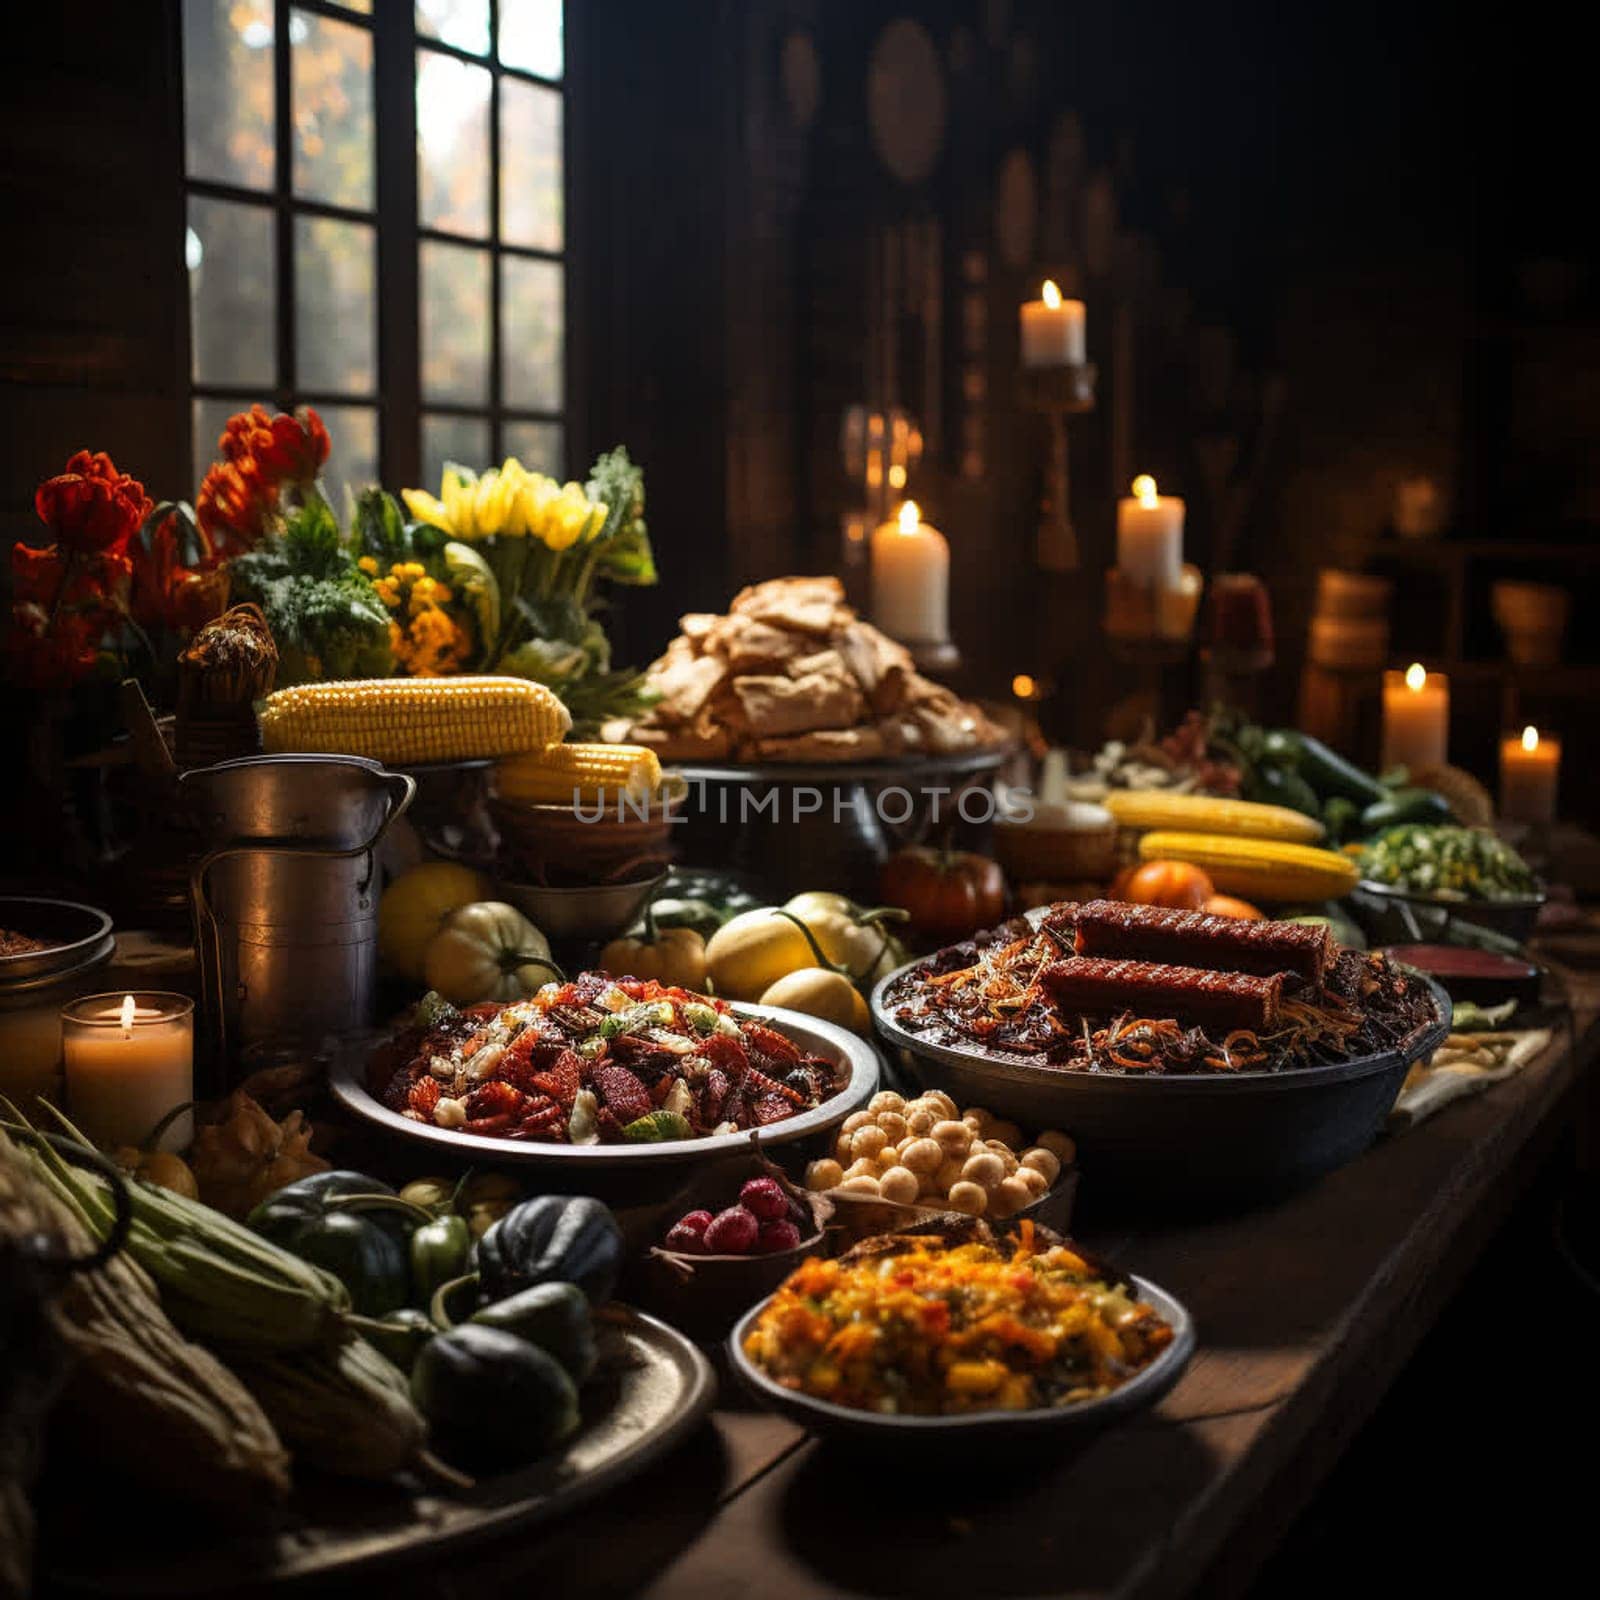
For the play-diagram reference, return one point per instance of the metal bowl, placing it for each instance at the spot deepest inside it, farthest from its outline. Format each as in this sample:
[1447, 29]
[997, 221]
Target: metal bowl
[594, 911]
[1514, 917]
[976, 1428]
[77, 937]
[1237, 1134]
[854, 1056]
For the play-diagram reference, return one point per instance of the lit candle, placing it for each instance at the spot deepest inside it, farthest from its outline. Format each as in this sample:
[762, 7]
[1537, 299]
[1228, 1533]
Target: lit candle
[1530, 770]
[129, 1061]
[1052, 330]
[911, 579]
[1416, 717]
[1150, 536]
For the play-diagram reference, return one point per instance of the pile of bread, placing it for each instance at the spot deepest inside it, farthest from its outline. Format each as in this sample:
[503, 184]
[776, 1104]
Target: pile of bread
[791, 673]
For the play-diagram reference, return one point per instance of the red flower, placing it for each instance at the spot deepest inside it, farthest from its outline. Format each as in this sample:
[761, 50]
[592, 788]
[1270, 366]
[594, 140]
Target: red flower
[45, 656]
[57, 580]
[167, 593]
[289, 449]
[236, 505]
[92, 506]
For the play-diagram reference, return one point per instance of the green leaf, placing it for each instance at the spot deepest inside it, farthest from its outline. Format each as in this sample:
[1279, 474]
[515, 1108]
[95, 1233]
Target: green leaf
[380, 527]
[471, 578]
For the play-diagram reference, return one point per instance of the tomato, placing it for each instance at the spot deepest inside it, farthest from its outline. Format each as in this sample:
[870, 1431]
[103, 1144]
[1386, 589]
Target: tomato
[1224, 905]
[947, 895]
[1169, 883]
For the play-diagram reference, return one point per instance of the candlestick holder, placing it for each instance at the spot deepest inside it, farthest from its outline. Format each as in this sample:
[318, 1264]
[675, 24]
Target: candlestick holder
[1147, 623]
[1058, 393]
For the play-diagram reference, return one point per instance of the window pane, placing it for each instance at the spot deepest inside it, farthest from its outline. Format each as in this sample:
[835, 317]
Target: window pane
[228, 91]
[455, 323]
[335, 333]
[463, 23]
[539, 446]
[331, 91]
[530, 165]
[353, 458]
[452, 144]
[210, 416]
[461, 439]
[232, 309]
[530, 326]
[530, 36]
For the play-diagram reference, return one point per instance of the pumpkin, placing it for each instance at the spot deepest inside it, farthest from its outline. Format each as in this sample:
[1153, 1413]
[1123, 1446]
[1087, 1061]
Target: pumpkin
[947, 894]
[748, 954]
[673, 956]
[1169, 883]
[1225, 905]
[487, 951]
[492, 1398]
[819, 992]
[413, 909]
[551, 1239]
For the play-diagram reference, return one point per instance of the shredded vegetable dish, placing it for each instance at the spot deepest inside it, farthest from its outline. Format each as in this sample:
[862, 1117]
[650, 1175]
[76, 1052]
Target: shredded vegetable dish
[1078, 992]
[920, 1326]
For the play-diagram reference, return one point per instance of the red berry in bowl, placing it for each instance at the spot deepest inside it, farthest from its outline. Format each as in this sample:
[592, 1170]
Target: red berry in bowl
[695, 1221]
[764, 1198]
[732, 1232]
[776, 1236]
[686, 1241]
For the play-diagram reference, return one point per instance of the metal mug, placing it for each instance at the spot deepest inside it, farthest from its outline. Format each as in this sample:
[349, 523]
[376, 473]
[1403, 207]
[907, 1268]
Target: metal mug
[286, 900]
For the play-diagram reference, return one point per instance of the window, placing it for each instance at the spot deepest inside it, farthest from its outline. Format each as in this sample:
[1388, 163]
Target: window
[300, 289]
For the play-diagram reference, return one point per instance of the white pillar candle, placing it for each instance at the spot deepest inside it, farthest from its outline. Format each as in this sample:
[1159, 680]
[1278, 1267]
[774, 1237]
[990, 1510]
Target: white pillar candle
[1530, 771]
[129, 1060]
[1052, 330]
[911, 579]
[1150, 536]
[1416, 718]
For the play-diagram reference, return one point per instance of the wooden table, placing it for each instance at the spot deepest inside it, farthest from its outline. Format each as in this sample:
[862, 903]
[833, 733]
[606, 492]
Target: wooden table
[1306, 1312]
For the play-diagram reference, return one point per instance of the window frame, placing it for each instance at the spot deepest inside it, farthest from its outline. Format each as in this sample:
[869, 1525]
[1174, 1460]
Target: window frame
[396, 399]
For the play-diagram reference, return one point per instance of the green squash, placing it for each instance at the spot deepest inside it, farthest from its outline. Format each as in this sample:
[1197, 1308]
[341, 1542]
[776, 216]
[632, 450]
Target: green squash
[492, 1399]
[400, 1336]
[551, 1239]
[554, 1316]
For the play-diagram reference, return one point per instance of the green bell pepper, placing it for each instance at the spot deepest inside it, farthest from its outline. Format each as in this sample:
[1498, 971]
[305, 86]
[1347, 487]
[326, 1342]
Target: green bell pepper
[439, 1251]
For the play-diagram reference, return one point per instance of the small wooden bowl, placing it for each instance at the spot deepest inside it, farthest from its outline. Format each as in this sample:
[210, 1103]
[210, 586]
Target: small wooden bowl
[1027, 851]
[553, 846]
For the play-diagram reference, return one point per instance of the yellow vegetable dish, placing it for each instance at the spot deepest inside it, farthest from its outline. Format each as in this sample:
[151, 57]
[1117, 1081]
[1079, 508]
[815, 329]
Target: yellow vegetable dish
[921, 1327]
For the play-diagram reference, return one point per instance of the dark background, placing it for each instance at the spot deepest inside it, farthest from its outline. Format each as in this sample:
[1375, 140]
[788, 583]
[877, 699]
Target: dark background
[1346, 243]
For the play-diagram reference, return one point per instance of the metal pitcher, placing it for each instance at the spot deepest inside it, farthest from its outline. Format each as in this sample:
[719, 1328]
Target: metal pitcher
[286, 897]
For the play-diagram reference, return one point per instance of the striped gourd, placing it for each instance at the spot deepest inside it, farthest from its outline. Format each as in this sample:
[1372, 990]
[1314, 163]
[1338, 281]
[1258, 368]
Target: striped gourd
[568, 773]
[412, 721]
[1257, 869]
[1144, 810]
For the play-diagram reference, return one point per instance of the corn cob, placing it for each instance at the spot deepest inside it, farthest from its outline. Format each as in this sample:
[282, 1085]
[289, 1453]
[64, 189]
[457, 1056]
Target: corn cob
[1147, 809]
[568, 773]
[410, 721]
[1258, 869]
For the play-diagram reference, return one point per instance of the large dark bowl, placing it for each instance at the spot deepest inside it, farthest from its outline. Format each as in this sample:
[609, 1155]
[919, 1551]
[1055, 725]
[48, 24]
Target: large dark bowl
[1062, 1425]
[1514, 916]
[1241, 1135]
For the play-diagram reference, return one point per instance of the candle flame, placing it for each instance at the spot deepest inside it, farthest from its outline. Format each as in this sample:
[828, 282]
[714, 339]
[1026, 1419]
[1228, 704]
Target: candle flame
[1416, 676]
[910, 516]
[1530, 737]
[1023, 686]
[128, 1010]
[1050, 294]
[1144, 489]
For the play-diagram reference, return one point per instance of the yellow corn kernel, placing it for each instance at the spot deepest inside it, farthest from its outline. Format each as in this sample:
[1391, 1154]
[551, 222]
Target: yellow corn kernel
[1145, 810]
[1258, 869]
[414, 721]
[568, 774]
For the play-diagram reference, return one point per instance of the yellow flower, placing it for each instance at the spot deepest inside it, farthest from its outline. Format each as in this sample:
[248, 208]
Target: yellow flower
[368, 565]
[425, 508]
[460, 495]
[569, 518]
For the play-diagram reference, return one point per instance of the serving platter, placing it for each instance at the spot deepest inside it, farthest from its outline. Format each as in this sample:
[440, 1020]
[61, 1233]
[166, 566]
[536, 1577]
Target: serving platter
[915, 1433]
[653, 1388]
[1242, 1134]
[854, 1057]
[1512, 915]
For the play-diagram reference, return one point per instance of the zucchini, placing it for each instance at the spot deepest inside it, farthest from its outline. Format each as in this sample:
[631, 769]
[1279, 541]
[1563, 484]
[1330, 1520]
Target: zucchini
[1329, 773]
[1406, 805]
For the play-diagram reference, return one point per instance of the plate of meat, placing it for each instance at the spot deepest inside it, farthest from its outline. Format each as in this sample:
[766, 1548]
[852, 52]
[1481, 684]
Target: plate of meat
[604, 1071]
[1178, 1049]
